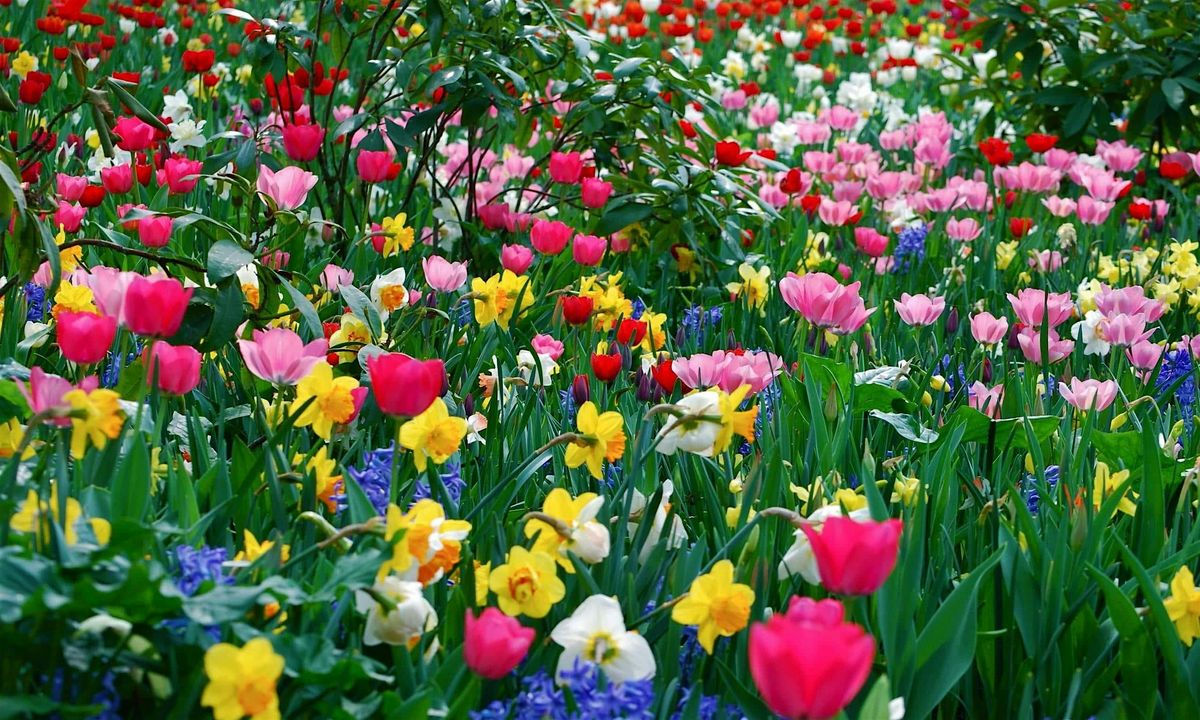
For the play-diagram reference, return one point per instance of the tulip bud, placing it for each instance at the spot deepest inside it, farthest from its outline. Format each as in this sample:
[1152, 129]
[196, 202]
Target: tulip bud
[987, 371]
[645, 387]
[952, 321]
[469, 404]
[580, 392]
[626, 356]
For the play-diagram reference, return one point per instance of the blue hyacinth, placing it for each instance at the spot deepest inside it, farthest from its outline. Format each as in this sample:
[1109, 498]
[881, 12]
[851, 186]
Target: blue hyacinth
[1032, 497]
[452, 479]
[200, 565]
[639, 307]
[592, 697]
[1177, 372]
[374, 476]
[910, 246]
[35, 301]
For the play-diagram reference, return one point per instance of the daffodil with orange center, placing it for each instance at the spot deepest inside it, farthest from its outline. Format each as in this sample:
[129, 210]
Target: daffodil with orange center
[601, 437]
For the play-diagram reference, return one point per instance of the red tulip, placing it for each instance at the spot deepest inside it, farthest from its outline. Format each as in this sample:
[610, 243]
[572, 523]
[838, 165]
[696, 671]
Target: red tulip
[175, 369]
[155, 306]
[577, 309]
[606, 367]
[404, 385]
[854, 558]
[1039, 143]
[303, 142]
[730, 154]
[495, 643]
[996, 151]
[631, 332]
[85, 338]
[809, 663]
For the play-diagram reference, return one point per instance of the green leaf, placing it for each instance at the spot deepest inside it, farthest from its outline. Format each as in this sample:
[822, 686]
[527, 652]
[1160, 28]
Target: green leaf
[627, 67]
[139, 110]
[907, 426]
[1174, 93]
[876, 703]
[131, 484]
[1136, 654]
[621, 217]
[225, 258]
[362, 306]
[946, 646]
[11, 193]
[12, 402]
[309, 314]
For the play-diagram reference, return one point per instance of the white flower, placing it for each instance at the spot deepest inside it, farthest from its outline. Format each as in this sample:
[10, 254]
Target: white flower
[177, 106]
[36, 333]
[536, 371]
[247, 275]
[692, 434]
[1085, 331]
[412, 616]
[799, 559]
[476, 424]
[790, 38]
[596, 633]
[676, 536]
[388, 292]
[186, 134]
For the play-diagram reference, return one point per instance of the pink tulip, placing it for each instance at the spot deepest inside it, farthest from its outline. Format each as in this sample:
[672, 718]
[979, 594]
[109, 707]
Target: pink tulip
[154, 231]
[1059, 206]
[495, 216]
[919, 310]
[870, 241]
[1030, 342]
[373, 166]
[836, 213]
[303, 142]
[1126, 330]
[155, 306]
[1092, 212]
[1087, 395]
[69, 216]
[85, 338]
[986, 400]
[175, 369]
[1033, 306]
[1119, 155]
[280, 357]
[333, 277]
[118, 179]
[728, 370]
[963, 230]
[1145, 355]
[808, 664]
[549, 237]
[547, 345]
[566, 168]
[988, 329]
[44, 393]
[494, 643]
[595, 193]
[180, 174]
[69, 187]
[1130, 300]
[404, 385]
[825, 302]
[588, 249]
[109, 286]
[288, 188]
[516, 258]
[443, 275]
[133, 134]
[854, 557]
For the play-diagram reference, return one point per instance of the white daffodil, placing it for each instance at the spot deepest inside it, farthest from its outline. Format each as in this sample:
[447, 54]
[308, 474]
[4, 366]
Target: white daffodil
[404, 625]
[692, 434]
[186, 134]
[596, 633]
[388, 292]
[536, 370]
[177, 106]
[799, 559]
[1085, 331]
[676, 536]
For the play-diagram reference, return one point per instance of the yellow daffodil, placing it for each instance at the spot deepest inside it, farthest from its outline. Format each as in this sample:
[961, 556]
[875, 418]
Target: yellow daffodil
[12, 434]
[100, 419]
[753, 288]
[433, 435]
[733, 421]
[717, 605]
[397, 235]
[1006, 252]
[425, 543]
[601, 437]
[23, 64]
[608, 301]
[253, 549]
[334, 401]
[1106, 483]
[1183, 607]
[352, 331]
[37, 516]
[74, 298]
[241, 681]
[577, 531]
[483, 571]
[499, 298]
[527, 583]
[324, 470]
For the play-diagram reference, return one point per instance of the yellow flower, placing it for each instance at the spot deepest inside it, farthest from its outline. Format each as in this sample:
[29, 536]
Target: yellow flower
[351, 331]
[434, 434]
[324, 470]
[101, 419]
[501, 297]
[398, 235]
[849, 499]
[241, 681]
[1106, 483]
[602, 438]
[656, 335]
[1006, 252]
[255, 549]
[753, 288]
[1183, 607]
[74, 298]
[37, 516]
[335, 401]
[425, 543]
[23, 64]
[581, 533]
[608, 301]
[906, 490]
[717, 605]
[527, 583]
[11, 435]
[483, 571]
[733, 420]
